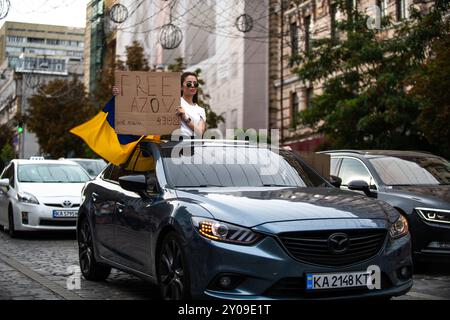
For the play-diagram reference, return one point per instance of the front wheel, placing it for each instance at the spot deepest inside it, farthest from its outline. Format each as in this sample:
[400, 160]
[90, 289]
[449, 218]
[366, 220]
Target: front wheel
[11, 229]
[173, 275]
[91, 269]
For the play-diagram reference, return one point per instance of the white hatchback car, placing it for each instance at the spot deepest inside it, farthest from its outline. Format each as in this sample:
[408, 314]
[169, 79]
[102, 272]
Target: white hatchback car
[40, 195]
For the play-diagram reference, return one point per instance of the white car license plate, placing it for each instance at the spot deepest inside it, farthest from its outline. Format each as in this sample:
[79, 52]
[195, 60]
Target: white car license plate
[65, 214]
[336, 280]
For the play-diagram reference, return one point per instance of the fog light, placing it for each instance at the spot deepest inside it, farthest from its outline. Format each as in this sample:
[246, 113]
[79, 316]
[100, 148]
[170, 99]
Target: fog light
[225, 282]
[24, 217]
[405, 273]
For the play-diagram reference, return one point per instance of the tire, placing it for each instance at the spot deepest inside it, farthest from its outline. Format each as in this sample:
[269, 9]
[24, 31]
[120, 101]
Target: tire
[91, 269]
[11, 229]
[173, 273]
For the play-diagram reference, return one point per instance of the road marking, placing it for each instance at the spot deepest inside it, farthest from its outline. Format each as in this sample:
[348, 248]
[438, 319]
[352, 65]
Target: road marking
[33, 275]
[424, 296]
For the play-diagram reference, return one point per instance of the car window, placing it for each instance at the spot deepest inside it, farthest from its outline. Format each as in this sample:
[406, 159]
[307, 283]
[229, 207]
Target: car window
[93, 167]
[408, 170]
[229, 166]
[107, 172]
[352, 169]
[51, 173]
[9, 174]
[334, 162]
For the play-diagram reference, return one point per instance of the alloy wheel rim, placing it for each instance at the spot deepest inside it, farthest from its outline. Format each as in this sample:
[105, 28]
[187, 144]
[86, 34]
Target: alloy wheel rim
[172, 272]
[85, 248]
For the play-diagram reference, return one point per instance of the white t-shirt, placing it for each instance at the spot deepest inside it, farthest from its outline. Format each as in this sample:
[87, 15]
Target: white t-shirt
[195, 113]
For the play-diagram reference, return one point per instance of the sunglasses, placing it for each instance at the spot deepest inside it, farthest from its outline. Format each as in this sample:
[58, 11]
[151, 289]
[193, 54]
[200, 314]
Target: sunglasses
[191, 84]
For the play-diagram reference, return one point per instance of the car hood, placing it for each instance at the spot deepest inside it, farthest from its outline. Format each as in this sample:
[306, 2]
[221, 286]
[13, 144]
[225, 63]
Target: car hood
[253, 207]
[440, 193]
[53, 190]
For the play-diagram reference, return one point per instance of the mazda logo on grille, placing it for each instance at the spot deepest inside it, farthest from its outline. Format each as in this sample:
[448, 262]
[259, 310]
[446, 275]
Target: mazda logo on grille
[67, 204]
[338, 243]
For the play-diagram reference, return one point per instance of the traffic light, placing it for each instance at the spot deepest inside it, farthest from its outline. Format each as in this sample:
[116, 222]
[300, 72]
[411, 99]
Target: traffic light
[20, 128]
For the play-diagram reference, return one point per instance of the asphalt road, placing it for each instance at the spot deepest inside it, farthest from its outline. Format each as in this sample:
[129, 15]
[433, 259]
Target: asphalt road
[44, 266]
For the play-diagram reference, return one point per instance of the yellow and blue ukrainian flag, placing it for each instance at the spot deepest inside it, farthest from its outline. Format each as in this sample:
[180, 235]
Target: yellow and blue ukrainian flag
[100, 136]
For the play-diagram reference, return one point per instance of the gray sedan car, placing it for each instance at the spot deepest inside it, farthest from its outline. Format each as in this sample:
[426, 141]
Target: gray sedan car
[416, 184]
[230, 220]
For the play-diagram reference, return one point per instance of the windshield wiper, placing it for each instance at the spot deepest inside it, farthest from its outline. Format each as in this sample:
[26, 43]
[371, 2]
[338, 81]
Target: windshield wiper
[200, 186]
[278, 185]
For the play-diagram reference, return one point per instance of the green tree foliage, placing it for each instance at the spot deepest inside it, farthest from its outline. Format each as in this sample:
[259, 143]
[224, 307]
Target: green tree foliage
[136, 61]
[6, 135]
[431, 87]
[59, 106]
[212, 119]
[366, 99]
[6, 154]
[6, 149]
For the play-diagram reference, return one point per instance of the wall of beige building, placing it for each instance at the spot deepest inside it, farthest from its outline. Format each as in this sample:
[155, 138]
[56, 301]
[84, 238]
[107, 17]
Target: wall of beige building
[234, 64]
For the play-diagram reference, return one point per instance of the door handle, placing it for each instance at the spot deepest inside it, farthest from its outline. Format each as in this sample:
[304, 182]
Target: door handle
[95, 197]
[120, 207]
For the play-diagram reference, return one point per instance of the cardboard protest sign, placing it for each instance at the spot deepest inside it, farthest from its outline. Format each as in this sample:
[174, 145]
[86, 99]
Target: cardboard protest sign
[147, 102]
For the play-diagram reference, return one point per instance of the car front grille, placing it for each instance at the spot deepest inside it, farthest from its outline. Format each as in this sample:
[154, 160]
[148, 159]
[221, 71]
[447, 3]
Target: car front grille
[313, 246]
[59, 205]
[57, 223]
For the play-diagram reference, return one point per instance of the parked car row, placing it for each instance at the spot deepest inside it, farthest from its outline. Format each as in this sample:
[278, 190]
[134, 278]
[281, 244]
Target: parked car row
[232, 220]
[40, 194]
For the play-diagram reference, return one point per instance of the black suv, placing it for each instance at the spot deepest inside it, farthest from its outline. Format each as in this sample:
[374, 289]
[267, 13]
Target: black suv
[417, 184]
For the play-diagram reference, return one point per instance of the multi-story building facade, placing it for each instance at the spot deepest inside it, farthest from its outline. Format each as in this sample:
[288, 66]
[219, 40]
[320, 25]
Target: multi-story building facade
[99, 41]
[34, 54]
[294, 25]
[234, 64]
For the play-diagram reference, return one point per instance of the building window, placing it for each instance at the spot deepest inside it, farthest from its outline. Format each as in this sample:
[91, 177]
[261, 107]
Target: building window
[308, 97]
[294, 38]
[295, 104]
[401, 10]
[234, 119]
[36, 40]
[382, 4]
[307, 22]
[333, 27]
[15, 39]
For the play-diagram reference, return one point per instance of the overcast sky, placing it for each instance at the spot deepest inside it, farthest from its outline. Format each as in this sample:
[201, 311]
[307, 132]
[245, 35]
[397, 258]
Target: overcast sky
[56, 12]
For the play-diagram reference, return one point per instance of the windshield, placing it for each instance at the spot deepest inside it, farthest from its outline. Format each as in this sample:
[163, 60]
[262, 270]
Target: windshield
[51, 173]
[229, 166]
[412, 170]
[93, 167]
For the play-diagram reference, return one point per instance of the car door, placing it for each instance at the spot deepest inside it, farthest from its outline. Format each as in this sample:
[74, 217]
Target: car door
[5, 192]
[103, 201]
[135, 217]
[352, 169]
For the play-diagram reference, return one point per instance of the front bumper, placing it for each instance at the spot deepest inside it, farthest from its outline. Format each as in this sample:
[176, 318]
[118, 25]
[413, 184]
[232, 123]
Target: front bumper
[40, 218]
[268, 272]
[426, 237]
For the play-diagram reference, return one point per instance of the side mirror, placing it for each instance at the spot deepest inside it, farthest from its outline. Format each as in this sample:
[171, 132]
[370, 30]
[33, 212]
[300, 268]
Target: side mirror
[136, 183]
[360, 185]
[4, 183]
[335, 181]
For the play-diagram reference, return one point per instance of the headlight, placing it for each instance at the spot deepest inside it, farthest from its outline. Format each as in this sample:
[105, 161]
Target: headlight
[434, 215]
[221, 231]
[399, 228]
[27, 198]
